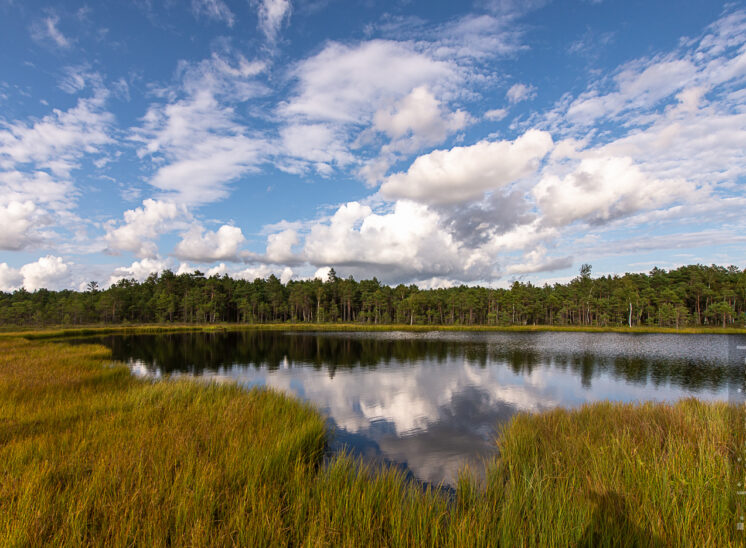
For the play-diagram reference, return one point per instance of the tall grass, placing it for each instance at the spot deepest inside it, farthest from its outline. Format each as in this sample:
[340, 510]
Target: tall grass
[91, 456]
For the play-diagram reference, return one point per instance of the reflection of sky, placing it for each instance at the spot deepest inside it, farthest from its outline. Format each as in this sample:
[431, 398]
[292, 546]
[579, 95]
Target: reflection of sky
[437, 415]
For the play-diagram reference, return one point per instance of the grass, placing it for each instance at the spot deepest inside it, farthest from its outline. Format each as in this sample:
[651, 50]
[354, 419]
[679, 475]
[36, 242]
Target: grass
[61, 331]
[90, 455]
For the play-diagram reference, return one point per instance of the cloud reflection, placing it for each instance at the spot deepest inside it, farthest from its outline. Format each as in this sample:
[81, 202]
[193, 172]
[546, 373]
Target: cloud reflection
[433, 403]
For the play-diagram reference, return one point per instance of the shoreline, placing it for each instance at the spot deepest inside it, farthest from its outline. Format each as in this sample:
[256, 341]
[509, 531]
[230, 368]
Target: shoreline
[135, 329]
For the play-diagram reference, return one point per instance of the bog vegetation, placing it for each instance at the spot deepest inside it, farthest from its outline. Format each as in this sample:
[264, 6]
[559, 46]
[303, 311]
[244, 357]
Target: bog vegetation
[688, 296]
[90, 455]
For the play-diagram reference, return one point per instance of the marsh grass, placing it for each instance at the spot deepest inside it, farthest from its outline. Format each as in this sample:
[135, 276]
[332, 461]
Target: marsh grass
[90, 455]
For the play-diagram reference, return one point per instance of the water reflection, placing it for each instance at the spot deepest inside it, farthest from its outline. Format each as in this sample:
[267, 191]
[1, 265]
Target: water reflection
[432, 401]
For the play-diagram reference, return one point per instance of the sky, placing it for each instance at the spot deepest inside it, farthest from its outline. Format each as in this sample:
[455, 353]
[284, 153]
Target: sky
[436, 143]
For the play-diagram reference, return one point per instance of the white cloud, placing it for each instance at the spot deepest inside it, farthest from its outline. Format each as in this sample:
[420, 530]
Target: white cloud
[522, 236]
[46, 31]
[142, 224]
[406, 243]
[318, 145]
[272, 15]
[520, 92]
[33, 199]
[279, 246]
[214, 9]
[638, 86]
[204, 145]
[473, 37]
[602, 189]
[200, 245]
[10, 278]
[537, 261]
[139, 270]
[265, 271]
[286, 275]
[77, 78]
[59, 139]
[464, 173]
[322, 273]
[347, 96]
[693, 140]
[48, 272]
[496, 114]
[218, 270]
[347, 84]
[421, 115]
[18, 223]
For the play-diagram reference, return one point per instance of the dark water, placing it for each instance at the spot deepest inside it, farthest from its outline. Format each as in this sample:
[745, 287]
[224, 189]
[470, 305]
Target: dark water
[432, 401]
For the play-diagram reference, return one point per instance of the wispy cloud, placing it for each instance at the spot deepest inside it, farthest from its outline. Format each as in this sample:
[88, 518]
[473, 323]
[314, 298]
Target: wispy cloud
[46, 31]
[200, 137]
[216, 10]
[273, 14]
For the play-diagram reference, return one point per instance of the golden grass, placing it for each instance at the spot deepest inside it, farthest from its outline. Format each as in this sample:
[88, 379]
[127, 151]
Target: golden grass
[91, 456]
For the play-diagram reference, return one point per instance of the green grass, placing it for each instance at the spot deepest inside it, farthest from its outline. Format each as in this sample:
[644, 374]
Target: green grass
[57, 331]
[90, 455]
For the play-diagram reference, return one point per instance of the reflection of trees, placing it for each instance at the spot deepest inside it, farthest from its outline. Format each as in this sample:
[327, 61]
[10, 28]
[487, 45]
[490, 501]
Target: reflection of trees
[196, 352]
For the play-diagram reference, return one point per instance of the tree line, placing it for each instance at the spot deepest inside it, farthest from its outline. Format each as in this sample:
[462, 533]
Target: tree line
[694, 295]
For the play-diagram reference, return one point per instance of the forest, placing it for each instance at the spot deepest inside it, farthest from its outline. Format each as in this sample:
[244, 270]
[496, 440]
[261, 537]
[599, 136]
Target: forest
[694, 295]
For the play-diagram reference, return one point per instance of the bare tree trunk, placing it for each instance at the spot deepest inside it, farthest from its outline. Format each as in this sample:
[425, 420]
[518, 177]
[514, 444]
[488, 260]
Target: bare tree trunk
[630, 314]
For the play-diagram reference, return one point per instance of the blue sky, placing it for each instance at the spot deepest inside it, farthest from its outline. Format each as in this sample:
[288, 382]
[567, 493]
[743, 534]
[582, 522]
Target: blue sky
[435, 143]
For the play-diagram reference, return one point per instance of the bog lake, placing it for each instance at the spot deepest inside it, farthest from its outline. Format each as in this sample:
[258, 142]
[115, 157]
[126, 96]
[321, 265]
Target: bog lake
[433, 402]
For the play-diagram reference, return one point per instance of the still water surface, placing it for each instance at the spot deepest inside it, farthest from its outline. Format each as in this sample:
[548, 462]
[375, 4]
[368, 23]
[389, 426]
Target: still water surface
[431, 402]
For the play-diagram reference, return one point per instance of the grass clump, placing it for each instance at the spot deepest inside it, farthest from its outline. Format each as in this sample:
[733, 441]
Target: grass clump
[91, 456]
[651, 474]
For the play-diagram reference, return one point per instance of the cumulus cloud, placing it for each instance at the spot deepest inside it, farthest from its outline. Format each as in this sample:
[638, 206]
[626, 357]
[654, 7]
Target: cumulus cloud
[10, 278]
[475, 223]
[279, 246]
[272, 15]
[603, 189]
[142, 225]
[218, 270]
[346, 83]
[48, 272]
[38, 187]
[18, 221]
[537, 261]
[285, 274]
[138, 270]
[405, 243]
[201, 245]
[37, 157]
[520, 92]
[318, 145]
[421, 115]
[322, 273]
[347, 97]
[465, 173]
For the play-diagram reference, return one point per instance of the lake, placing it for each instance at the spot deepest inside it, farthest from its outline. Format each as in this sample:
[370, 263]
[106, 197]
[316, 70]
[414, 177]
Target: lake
[432, 402]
